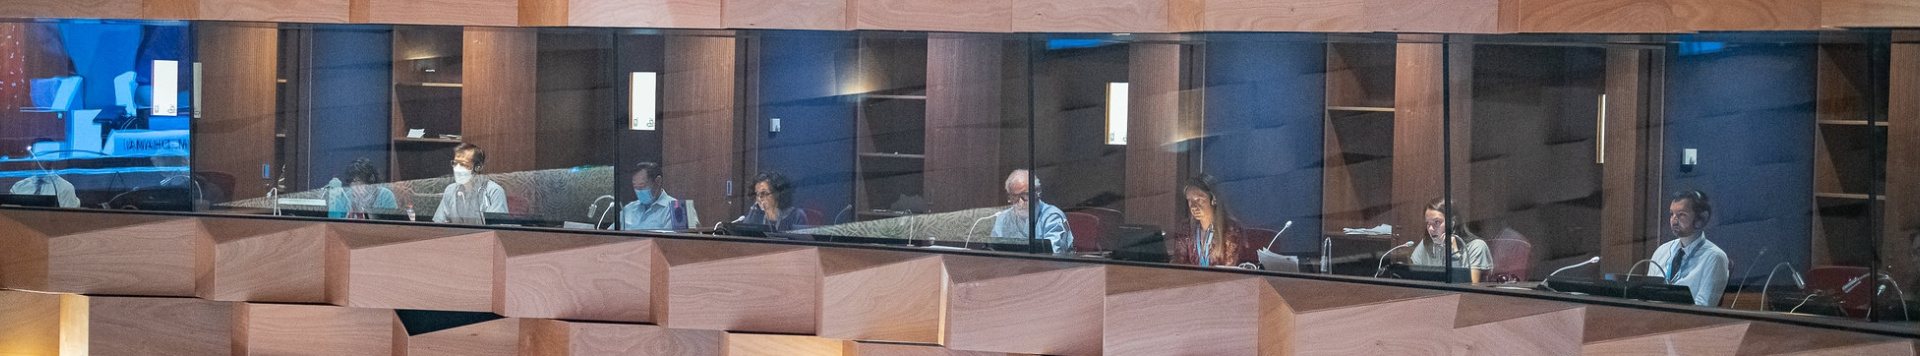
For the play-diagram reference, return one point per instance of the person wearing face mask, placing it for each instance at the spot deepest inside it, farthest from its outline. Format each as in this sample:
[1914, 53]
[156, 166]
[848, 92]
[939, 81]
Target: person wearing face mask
[1012, 222]
[1694, 262]
[773, 203]
[359, 196]
[652, 208]
[1463, 250]
[471, 195]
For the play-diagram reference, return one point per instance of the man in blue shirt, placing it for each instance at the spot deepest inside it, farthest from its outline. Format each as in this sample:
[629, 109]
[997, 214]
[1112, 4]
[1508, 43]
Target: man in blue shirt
[1012, 222]
[652, 208]
[1694, 262]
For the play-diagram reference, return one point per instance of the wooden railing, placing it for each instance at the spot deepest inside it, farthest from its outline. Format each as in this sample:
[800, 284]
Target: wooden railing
[154, 284]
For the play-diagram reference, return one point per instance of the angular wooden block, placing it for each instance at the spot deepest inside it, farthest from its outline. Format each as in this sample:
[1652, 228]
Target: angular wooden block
[498, 337]
[1158, 311]
[1495, 325]
[931, 15]
[1623, 331]
[576, 277]
[260, 260]
[288, 329]
[1024, 306]
[1313, 317]
[562, 338]
[1781, 339]
[99, 253]
[734, 286]
[783, 345]
[33, 323]
[445, 12]
[411, 267]
[30, 322]
[701, 14]
[877, 295]
[876, 349]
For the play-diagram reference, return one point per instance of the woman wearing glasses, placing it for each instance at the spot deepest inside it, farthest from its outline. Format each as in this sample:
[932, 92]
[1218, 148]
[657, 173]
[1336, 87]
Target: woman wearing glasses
[471, 195]
[773, 203]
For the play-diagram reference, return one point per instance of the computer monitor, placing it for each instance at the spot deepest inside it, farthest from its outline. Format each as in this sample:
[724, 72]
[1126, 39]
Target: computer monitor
[1428, 273]
[744, 229]
[48, 201]
[1656, 292]
[1143, 243]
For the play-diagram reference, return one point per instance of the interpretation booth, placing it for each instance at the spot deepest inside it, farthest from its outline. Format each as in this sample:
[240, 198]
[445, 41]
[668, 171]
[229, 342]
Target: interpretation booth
[937, 177]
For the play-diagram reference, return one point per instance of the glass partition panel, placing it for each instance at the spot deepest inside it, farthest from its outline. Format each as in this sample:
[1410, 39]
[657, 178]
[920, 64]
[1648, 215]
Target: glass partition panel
[95, 113]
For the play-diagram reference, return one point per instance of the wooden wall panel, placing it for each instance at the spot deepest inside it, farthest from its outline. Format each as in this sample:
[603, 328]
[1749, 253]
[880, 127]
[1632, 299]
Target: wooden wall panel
[1621, 331]
[124, 9]
[159, 326]
[1286, 15]
[105, 253]
[1154, 118]
[1869, 13]
[1022, 306]
[738, 287]
[498, 337]
[787, 14]
[1745, 15]
[1092, 16]
[412, 268]
[963, 122]
[932, 15]
[29, 323]
[1418, 139]
[437, 12]
[1780, 339]
[286, 329]
[1492, 325]
[576, 277]
[699, 125]
[882, 296]
[1624, 175]
[1902, 215]
[265, 261]
[1608, 16]
[1153, 311]
[239, 62]
[1353, 319]
[782, 345]
[496, 99]
[563, 338]
[624, 13]
[322, 11]
[1444, 16]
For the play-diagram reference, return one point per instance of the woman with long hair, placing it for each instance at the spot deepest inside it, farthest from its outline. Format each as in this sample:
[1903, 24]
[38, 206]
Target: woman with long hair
[1212, 237]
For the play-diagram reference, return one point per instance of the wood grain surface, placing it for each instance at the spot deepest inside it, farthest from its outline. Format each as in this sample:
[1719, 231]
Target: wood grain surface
[787, 14]
[159, 326]
[1780, 339]
[1347, 318]
[739, 287]
[1869, 13]
[739, 344]
[265, 261]
[1622, 331]
[1091, 16]
[1492, 325]
[1024, 306]
[29, 323]
[414, 268]
[123, 9]
[576, 277]
[880, 349]
[152, 259]
[1196, 313]
[1286, 15]
[932, 15]
[440, 12]
[882, 296]
[289, 329]
[553, 337]
[498, 337]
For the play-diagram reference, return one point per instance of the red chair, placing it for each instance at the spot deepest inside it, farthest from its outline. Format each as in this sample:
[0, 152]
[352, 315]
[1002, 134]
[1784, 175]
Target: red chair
[1834, 280]
[814, 217]
[1256, 240]
[1087, 231]
[1512, 258]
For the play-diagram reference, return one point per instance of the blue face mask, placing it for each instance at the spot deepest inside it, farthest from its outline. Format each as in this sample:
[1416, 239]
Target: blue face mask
[645, 196]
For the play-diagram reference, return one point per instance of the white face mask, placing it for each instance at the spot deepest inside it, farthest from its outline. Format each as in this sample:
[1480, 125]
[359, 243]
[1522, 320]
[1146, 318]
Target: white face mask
[462, 175]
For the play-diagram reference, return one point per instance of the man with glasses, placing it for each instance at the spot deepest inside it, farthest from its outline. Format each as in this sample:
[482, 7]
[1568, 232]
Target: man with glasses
[471, 195]
[1012, 222]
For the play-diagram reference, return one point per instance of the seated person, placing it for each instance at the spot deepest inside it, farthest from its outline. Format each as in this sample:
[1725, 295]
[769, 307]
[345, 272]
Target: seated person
[773, 204]
[652, 208]
[1464, 252]
[471, 195]
[360, 196]
[1012, 222]
[46, 183]
[1695, 262]
[1212, 236]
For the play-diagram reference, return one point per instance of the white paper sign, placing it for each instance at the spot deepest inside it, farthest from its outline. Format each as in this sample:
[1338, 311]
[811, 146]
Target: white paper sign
[645, 87]
[166, 88]
[416, 133]
[1117, 113]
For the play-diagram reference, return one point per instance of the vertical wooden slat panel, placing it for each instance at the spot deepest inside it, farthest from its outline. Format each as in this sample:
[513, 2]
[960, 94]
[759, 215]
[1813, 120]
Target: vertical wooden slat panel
[239, 61]
[963, 121]
[1902, 215]
[496, 102]
[1624, 175]
[1153, 122]
[699, 125]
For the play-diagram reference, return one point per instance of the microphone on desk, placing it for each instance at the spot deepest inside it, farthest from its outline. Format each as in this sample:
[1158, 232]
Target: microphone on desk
[603, 213]
[1326, 253]
[1664, 273]
[1276, 235]
[1743, 275]
[1382, 265]
[1797, 281]
[967, 238]
[1543, 281]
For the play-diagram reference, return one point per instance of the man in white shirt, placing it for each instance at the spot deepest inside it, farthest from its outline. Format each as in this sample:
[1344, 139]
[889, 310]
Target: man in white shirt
[471, 195]
[652, 208]
[1692, 260]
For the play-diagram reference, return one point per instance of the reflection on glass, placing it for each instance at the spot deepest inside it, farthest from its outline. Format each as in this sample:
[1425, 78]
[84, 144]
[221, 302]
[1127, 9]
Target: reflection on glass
[1029, 211]
[473, 192]
[362, 194]
[652, 208]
